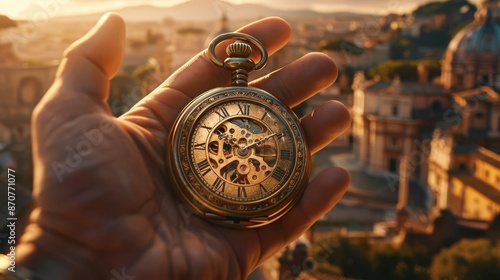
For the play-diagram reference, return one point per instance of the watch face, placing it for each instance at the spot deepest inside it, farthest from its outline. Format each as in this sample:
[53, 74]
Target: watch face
[238, 155]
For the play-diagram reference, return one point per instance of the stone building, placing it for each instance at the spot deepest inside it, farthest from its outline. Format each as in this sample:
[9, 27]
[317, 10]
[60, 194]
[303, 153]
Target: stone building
[449, 132]
[395, 118]
[21, 87]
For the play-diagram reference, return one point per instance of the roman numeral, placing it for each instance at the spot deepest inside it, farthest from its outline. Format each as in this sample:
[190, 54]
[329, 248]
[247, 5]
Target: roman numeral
[285, 154]
[244, 109]
[264, 116]
[206, 127]
[223, 113]
[242, 192]
[201, 146]
[278, 174]
[219, 184]
[262, 189]
[204, 167]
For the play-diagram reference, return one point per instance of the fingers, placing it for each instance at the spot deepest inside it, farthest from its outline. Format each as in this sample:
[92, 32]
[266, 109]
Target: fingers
[200, 74]
[320, 196]
[90, 62]
[322, 193]
[301, 79]
[325, 123]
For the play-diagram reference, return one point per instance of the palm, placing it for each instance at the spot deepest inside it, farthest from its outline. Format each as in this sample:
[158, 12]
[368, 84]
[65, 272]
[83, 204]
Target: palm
[116, 200]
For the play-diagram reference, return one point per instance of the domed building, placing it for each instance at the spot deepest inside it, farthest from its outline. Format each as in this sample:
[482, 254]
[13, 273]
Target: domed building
[464, 160]
[473, 58]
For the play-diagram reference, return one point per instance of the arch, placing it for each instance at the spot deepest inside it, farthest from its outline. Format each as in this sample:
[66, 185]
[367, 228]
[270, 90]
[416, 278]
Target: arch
[29, 91]
[5, 136]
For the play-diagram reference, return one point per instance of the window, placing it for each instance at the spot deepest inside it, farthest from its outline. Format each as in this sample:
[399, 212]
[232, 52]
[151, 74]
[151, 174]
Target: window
[484, 80]
[459, 80]
[486, 174]
[394, 142]
[462, 167]
[393, 165]
[395, 110]
[436, 107]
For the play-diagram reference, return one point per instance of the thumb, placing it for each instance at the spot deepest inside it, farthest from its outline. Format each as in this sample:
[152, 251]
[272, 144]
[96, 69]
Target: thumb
[76, 101]
[90, 62]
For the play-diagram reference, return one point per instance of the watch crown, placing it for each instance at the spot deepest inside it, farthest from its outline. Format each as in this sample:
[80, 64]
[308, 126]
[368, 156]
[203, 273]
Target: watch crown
[239, 49]
[239, 62]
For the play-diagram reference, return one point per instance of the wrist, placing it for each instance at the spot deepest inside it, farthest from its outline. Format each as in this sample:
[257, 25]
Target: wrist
[50, 257]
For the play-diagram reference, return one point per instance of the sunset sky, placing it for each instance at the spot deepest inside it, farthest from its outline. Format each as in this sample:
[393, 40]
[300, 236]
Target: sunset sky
[25, 8]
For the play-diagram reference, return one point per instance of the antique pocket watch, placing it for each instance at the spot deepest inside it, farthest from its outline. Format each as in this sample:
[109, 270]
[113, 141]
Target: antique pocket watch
[238, 156]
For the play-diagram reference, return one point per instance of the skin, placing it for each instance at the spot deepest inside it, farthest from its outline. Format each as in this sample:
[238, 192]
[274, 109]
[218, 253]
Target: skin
[114, 209]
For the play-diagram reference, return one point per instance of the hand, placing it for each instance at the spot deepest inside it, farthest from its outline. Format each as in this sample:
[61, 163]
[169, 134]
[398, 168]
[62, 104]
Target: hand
[103, 199]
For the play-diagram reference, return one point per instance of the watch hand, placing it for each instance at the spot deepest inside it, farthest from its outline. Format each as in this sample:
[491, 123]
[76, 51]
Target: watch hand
[259, 141]
[227, 138]
[266, 155]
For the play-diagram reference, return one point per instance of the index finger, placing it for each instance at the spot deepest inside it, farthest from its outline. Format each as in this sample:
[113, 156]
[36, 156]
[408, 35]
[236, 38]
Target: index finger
[200, 74]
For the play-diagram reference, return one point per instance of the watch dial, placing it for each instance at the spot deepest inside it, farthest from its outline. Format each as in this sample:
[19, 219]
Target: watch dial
[239, 152]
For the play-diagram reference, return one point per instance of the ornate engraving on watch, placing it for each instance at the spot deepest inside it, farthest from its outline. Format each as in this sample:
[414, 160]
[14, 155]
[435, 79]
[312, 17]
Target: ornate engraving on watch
[237, 155]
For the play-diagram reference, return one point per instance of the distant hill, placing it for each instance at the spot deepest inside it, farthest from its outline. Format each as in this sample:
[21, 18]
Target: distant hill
[456, 7]
[200, 10]
[6, 22]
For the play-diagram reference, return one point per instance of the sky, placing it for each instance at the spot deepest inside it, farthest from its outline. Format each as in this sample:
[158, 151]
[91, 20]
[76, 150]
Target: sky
[25, 8]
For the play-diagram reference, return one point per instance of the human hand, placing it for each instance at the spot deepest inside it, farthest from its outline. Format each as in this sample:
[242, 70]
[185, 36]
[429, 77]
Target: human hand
[103, 199]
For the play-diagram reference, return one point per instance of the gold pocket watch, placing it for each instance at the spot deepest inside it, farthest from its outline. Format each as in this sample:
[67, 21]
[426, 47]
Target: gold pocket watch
[237, 155]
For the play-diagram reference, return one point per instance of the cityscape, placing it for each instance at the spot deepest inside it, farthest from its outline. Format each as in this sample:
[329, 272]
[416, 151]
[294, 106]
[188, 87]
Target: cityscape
[422, 85]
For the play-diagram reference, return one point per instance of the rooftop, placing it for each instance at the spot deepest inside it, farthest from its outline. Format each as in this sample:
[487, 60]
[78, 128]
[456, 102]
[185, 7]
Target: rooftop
[405, 88]
[482, 187]
[483, 93]
[488, 156]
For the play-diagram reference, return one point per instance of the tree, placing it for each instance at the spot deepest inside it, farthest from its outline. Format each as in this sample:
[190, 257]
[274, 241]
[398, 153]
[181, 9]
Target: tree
[341, 45]
[405, 69]
[358, 258]
[350, 255]
[467, 260]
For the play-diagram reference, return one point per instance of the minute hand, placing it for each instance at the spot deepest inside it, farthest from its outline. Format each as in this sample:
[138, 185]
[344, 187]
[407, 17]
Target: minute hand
[258, 141]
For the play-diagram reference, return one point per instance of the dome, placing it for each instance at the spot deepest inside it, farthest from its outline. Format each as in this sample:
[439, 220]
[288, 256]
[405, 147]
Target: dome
[480, 40]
